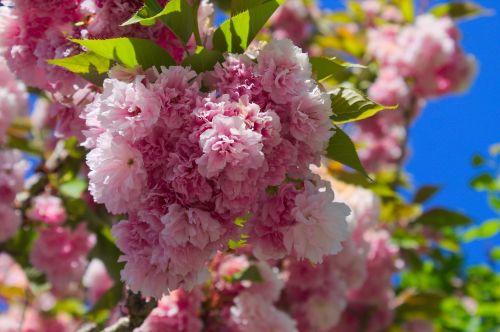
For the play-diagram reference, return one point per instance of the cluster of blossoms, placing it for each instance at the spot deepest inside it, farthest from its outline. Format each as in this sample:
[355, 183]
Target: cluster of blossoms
[185, 164]
[34, 315]
[417, 61]
[343, 293]
[33, 32]
[13, 103]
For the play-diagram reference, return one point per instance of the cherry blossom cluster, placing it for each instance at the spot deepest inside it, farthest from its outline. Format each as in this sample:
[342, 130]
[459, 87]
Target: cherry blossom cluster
[418, 61]
[343, 293]
[13, 103]
[28, 312]
[185, 164]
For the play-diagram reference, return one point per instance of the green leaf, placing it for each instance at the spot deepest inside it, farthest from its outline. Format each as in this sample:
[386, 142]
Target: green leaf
[407, 9]
[484, 181]
[486, 230]
[91, 66]
[130, 52]
[438, 218]
[477, 160]
[235, 34]
[252, 273]
[143, 17]
[73, 188]
[71, 306]
[203, 60]
[341, 149]
[425, 193]
[350, 105]
[238, 6]
[458, 10]
[325, 68]
[495, 253]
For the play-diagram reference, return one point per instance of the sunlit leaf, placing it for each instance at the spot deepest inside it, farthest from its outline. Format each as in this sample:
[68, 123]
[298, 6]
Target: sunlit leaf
[486, 230]
[458, 9]
[236, 33]
[438, 218]
[351, 105]
[341, 149]
[130, 52]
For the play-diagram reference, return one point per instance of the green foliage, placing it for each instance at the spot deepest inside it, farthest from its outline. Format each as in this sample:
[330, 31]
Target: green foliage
[203, 60]
[438, 218]
[130, 52]
[178, 15]
[73, 188]
[341, 149]
[350, 105]
[407, 8]
[458, 10]
[425, 193]
[485, 181]
[91, 66]
[325, 68]
[252, 273]
[236, 33]
[100, 312]
[486, 230]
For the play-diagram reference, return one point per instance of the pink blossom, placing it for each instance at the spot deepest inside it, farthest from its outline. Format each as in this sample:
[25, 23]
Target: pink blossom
[61, 254]
[10, 222]
[310, 120]
[252, 313]
[291, 21]
[48, 209]
[11, 273]
[229, 145]
[321, 224]
[285, 70]
[390, 88]
[13, 99]
[12, 170]
[116, 174]
[176, 312]
[97, 280]
[128, 109]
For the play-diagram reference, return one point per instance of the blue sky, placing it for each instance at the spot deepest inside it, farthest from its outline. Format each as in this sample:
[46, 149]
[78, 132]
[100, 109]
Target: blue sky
[452, 129]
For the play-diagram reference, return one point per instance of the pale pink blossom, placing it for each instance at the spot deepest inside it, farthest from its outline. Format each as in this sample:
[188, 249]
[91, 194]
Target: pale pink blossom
[252, 313]
[48, 209]
[61, 253]
[13, 99]
[117, 174]
[176, 312]
[97, 280]
[128, 109]
[321, 224]
[12, 171]
[10, 222]
[229, 145]
[285, 70]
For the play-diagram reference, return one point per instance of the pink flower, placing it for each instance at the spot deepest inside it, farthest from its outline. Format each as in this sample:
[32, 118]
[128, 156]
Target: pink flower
[12, 170]
[177, 312]
[11, 273]
[10, 222]
[48, 209]
[310, 120]
[321, 224]
[291, 21]
[229, 144]
[97, 280]
[190, 226]
[128, 109]
[117, 174]
[285, 70]
[390, 88]
[13, 99]
[61, 254]
[252, 313]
